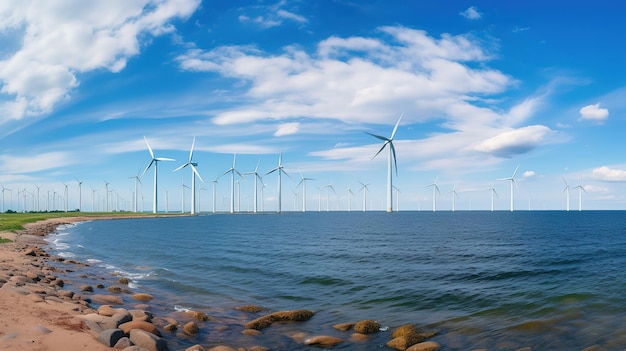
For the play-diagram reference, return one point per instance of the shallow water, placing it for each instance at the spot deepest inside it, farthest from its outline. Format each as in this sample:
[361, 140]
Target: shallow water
[496, 280]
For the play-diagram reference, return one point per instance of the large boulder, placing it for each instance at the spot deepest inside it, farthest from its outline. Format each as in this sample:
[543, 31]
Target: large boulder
[110, 337]
[149, 327]
[424, 346]
[367, 326]
[147, 340]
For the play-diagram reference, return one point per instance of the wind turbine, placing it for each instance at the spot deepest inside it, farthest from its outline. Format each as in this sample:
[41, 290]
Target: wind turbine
[232, 172]
[137, 182]
[182, 196]
[256, 178]
[435, 191]
[303, 181]
[328, 188]
[194, 173]
[391, 161]
[566, 191]
[580, 195]
[280, 170]
[65, 196]
[93, 199]
[155, 161]
[106, 194]
[3, 191]
[512, 179]
[364, 188]
[80, 194]
[350, 196]
[214, 184]
[493, 192]
[454, 195]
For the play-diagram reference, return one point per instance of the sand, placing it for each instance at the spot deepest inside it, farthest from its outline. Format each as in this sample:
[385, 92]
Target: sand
[33, 314]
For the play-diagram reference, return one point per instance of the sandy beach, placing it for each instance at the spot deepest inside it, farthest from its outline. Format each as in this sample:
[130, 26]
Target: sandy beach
[33, 314]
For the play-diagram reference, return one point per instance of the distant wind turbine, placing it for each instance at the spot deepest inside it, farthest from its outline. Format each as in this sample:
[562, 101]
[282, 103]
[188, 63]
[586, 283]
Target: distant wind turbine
[391, 161]
[280, 170]
[257, 177]
[65, 197]
[80, 194]
[154, 161]
[214, 184]
[232, 170]
[137, 182]
[303, 181]
[566, 191]
[580, 195]
[454, 196]
[328, 188]
[493, 192]
[182, 196]
[350, 196]
[512, 180]
[194, 174]
[364, 188]
[4, 189]
[435, 191]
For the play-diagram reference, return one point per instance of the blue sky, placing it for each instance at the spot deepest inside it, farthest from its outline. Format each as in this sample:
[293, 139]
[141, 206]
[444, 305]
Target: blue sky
[483, 87]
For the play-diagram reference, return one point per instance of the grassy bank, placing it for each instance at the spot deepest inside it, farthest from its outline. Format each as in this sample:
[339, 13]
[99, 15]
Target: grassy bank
[13, 222]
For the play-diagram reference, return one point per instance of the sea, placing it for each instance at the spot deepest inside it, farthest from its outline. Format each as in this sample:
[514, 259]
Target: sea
[544, 280]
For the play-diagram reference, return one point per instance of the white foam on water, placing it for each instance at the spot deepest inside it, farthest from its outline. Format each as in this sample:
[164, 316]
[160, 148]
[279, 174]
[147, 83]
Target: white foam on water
[180, 308]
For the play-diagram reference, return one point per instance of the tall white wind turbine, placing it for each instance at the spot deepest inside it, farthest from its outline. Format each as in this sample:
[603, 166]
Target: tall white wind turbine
[391, 161]
[364, 188]
[435, 191]
[512, 180]
[566, 191]
[257, 177]
[303, 181]
[154, 161]
[194, 174]
[232, 170]
[580, 195]
[280, 170]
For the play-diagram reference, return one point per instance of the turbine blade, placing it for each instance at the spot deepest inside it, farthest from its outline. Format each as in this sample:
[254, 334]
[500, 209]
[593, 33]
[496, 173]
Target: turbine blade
[193, 143]
[381, 149]
[378, 136]
[193, 168]
[393, 152]
[395, 128]
[515, 172]
[164, 159]
[146, 169]
[149, 148]
[182, 166]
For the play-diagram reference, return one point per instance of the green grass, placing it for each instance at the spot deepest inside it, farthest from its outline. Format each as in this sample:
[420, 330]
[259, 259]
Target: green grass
[13, 222]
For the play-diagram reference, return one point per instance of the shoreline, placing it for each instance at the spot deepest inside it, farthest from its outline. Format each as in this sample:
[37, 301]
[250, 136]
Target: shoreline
[44, 313]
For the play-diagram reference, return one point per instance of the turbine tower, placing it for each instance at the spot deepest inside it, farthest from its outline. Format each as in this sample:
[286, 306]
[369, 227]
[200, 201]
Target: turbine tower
[80, 195]
[364, 188]
[350, 196]
[454, 196]
[328, 188]
[194, 173]
[512, 180]
[493, 192]
[257, 177]
[435, 191]
[391, 161]
[280, 170]
[580, 195]
[303, 181]
[232, 172]
[566, 191]
[154, 161]
[137, 182]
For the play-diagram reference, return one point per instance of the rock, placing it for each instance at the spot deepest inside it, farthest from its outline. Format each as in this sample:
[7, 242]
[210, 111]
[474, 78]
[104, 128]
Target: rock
[170, 328]
[222, 348]
[191, 328]
[199, 316]
[195, 348]
[251, 332]
[135, 348]
[147, 340]
[399, 343]
[107, 299]
[358, 337]
[114, 289]
[108, 310]
[119, 318]
[123, 281]
[407, 335]
[122, 343]
[343, 326]
[424, 346]
[282, 316]
[141, 315]
[142, 297]
[66, 293]
[323, 341]
[250, 308]
[258, 348]
[149, 327]
[86, 288]
[110, 337]
[367, 327]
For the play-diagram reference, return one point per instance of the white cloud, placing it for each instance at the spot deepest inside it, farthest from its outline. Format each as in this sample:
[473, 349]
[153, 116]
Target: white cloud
[35, 163]
[60, 39]
[269, 16]
[513, 142]
[594, 113]
[529, 174]
[287, 129]
[607, 174]
[471, 13]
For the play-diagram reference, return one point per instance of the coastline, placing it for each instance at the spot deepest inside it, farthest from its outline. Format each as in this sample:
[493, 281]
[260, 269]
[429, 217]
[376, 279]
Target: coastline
[39, 313]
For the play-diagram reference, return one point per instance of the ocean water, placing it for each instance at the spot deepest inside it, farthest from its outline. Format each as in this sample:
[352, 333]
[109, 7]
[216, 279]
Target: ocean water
[550, 280]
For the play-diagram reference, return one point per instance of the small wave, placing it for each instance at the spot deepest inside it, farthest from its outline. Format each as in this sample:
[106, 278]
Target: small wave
[180, 308]
[67, 254]
[93, 260]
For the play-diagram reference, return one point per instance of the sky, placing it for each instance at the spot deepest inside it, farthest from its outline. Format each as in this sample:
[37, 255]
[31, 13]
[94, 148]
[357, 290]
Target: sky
[482, 87]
